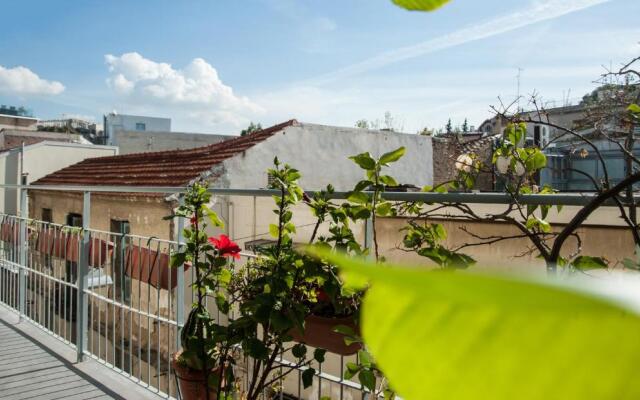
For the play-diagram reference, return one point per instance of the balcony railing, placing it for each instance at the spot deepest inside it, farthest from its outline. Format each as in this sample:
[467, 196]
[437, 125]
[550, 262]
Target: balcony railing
[113, 297]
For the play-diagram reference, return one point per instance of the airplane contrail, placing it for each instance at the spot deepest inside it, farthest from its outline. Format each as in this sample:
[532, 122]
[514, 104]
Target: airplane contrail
[542, 10]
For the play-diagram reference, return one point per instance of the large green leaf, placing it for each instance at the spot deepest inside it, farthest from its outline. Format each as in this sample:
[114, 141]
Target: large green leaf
[420, 5]
[392, 156]
[444, 335]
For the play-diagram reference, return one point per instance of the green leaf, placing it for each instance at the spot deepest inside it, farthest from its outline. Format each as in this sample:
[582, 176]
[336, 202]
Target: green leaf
[388, 180]
[368, 379]
[466, 336]
[307, 377]
[318, 355]
[539, 160]
[420, 5]
[213, 217]
[383, 209]
[274, 230]
[585, 263]
[364, 160]
[392, 156]
[634, 108]
[362, 185]
[358, 198]
[299, 350]
[177, 259]
[365, 358]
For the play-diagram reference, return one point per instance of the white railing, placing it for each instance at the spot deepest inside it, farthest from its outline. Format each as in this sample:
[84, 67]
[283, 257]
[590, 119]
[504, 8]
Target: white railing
[113, 297]
[127, 314]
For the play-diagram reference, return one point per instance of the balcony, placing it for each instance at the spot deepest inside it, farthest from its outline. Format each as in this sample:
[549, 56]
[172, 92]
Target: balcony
[102, 310]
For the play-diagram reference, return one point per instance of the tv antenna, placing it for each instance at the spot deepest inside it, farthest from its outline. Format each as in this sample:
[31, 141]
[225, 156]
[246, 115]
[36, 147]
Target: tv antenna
[518, 77]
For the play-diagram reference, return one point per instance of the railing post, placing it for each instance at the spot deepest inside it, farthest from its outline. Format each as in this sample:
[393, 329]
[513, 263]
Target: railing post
[22, 252]
[82, 310]
[180, 281]
[368, 235]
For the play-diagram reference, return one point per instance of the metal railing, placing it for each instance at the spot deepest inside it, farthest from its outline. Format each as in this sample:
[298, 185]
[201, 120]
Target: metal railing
[113, 297]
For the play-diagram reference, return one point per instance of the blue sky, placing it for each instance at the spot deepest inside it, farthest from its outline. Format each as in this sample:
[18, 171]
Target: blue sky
[213, 66]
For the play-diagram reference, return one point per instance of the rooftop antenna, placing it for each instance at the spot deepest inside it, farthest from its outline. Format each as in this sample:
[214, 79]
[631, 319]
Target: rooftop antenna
[518, 93]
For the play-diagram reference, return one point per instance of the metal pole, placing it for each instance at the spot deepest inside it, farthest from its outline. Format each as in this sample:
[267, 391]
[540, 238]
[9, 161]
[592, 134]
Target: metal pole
[23, 244]
[180, 280]
[83, 280]
[368, 236]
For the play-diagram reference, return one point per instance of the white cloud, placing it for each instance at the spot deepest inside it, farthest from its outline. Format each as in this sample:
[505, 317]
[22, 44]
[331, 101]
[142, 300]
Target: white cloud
[22, 81]
[538, 11]
[195, 90]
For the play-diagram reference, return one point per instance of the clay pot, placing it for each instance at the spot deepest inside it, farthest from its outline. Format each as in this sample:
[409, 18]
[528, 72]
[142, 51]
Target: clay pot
[319, 333]
[192, 382]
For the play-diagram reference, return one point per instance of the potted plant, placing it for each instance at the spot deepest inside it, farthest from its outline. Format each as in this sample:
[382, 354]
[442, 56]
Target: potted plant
[272, 294]
[204, 365]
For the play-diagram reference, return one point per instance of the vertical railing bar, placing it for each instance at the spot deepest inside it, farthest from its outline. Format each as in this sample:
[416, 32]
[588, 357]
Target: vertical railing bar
[22, 242]
[123, 290]
[130, 311]
[139, 308]
[180, 284]
[172, 249]
[99, 337]
[150, 268]
[158, 324]
[319, 381]
[341, 377]
[112, 273]
[81, 303]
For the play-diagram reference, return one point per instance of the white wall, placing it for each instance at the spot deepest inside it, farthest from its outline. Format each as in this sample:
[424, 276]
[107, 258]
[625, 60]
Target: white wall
[123, 122]
[41, 159]
[139, 142]
[321, 154]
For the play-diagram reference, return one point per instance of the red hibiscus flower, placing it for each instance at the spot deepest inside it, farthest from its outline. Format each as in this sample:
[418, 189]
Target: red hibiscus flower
[225, 246]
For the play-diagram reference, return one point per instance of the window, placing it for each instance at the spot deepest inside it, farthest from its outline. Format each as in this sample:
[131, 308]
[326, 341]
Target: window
[141, 126]
[46, 215]
[121, 229]
[74, 219]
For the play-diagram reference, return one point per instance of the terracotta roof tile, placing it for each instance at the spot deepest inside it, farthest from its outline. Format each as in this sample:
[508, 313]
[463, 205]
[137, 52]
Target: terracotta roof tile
[163, 168]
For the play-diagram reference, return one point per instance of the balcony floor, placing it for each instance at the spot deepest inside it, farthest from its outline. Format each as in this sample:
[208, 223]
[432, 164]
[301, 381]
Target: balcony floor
[34, 364]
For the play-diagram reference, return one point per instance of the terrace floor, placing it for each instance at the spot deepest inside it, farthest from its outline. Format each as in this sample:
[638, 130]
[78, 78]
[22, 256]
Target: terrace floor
[34, 364]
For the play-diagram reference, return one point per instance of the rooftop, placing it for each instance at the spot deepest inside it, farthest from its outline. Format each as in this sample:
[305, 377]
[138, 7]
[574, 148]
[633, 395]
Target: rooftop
[164, 168]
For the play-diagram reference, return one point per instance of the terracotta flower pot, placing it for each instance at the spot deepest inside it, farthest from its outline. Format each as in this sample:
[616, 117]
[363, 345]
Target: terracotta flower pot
[319, 333]
[192, 382]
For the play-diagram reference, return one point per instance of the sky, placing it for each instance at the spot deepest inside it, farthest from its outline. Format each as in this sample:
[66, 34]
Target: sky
[214, 66]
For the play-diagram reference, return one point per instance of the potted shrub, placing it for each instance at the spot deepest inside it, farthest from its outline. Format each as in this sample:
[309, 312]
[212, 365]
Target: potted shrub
[267, 294]
[204, 365]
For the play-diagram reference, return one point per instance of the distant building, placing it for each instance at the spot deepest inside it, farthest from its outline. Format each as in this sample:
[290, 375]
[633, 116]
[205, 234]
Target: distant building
[16, 118]
[12, 138]
[140, 142]
[448, 147]
[114, 122]
[33, 161]
[319, 152]
[70, 125]
[572, 166]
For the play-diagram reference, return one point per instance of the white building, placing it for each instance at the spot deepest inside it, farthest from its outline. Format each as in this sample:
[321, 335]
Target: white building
[37, 160]
[114, 122]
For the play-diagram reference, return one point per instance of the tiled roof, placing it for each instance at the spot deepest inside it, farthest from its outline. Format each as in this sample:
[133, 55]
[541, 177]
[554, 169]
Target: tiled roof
[479, 144]
[163, 168]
